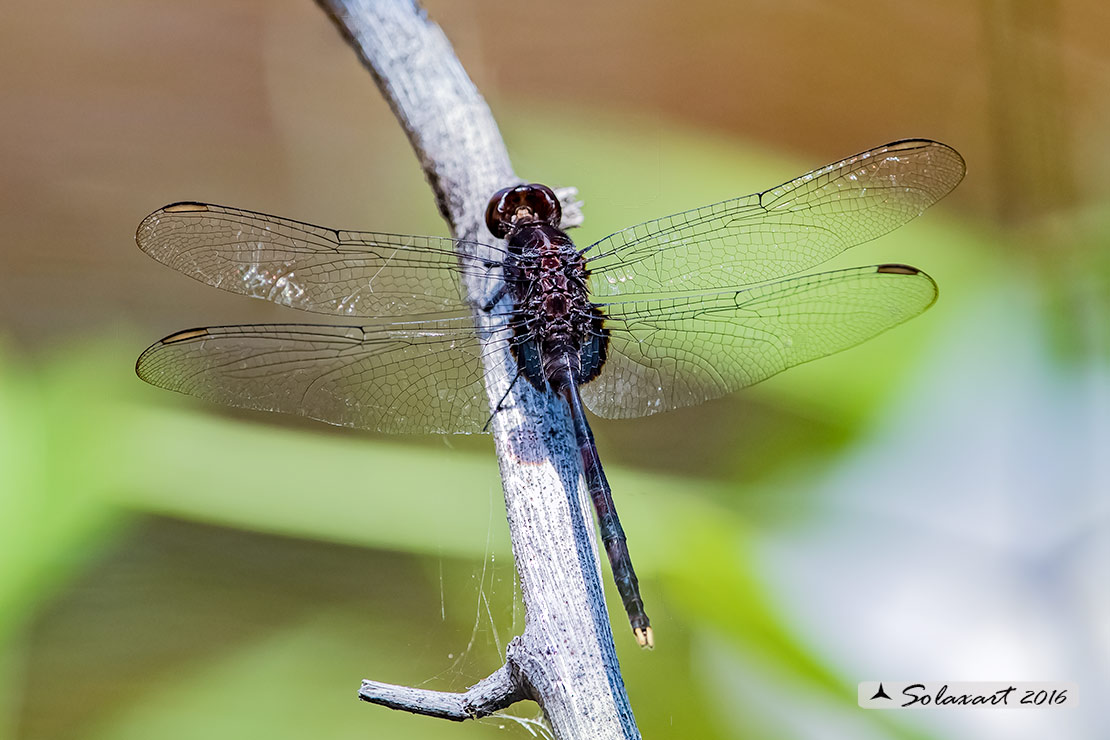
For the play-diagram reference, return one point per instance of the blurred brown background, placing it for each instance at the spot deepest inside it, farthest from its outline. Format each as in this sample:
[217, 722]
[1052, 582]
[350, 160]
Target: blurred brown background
[112, 108]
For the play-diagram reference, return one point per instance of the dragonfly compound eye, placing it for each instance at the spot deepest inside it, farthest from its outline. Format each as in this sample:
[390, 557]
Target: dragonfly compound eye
[513, 206]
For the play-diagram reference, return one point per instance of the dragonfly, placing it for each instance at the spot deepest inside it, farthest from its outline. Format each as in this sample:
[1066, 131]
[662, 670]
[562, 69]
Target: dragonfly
[661, 315]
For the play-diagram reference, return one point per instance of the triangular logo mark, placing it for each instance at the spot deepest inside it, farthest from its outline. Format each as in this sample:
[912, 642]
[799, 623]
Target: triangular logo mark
[880, 694]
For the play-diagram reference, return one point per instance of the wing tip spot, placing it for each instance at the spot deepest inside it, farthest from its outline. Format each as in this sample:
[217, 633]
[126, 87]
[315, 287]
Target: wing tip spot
[897, 269]
[185, 207]
[184, 336]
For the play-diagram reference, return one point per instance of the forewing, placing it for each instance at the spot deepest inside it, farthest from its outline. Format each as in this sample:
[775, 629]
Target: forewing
[669, 353]
[420, 377]
[780, 232]
[313, 268]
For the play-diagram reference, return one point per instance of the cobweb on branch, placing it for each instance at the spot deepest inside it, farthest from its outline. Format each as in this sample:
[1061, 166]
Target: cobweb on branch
[496, 608]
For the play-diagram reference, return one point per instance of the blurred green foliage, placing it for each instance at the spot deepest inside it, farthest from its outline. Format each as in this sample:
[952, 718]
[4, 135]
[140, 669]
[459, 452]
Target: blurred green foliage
[175, 571]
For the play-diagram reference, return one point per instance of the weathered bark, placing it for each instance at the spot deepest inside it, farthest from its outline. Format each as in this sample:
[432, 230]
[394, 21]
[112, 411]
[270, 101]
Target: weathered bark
[565, 659]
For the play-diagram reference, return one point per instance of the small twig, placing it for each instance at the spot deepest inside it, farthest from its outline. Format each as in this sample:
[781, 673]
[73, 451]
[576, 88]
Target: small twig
[495, 692]
[565, 659]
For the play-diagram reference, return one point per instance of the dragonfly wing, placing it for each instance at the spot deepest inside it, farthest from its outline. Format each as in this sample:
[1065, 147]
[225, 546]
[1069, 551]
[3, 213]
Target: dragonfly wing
[418, 377]
[668, 353]
[314, 268]
[780, 232]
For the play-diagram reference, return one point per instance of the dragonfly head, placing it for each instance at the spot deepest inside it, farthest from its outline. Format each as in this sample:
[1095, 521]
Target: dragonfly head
[511, 207]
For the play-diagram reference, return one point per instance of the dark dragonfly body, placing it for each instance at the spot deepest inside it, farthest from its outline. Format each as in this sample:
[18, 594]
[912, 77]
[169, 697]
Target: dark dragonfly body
[665, 314]
[561, 343]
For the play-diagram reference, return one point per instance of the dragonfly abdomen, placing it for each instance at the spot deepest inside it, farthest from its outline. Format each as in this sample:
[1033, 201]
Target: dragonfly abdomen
[609, 526]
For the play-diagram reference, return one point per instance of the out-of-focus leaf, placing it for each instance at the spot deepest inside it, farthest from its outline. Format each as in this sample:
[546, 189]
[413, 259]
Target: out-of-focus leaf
[156, 458]
[53, 508]
[297, 683]
[704, 561]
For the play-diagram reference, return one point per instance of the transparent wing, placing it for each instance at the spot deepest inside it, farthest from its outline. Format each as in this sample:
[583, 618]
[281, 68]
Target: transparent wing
[313, 268]
[416, 377]
[780, 232]
[679, 351]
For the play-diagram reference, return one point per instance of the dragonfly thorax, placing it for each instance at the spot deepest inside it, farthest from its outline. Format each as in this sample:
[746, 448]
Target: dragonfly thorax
[555, 325]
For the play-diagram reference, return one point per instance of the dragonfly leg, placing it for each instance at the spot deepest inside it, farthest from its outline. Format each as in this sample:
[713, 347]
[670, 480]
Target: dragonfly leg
[502, 291]
[498, 407]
